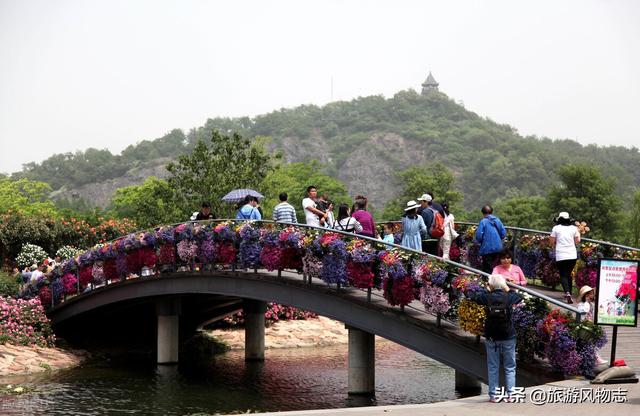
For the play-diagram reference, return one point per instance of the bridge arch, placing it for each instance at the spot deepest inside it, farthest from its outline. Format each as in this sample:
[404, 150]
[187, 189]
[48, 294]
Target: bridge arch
[411, 328]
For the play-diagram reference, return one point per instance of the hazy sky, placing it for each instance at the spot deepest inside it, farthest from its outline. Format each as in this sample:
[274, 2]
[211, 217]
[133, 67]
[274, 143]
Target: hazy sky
[106, 74]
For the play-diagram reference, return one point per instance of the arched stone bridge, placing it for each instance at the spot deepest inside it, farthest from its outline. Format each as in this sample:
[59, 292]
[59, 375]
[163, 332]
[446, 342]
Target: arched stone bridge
[192, 298]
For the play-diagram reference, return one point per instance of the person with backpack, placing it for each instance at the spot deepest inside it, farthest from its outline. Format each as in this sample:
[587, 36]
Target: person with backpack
[249, 210]
[345, 222]
[500, 334]
[489, 235]
[434, 221]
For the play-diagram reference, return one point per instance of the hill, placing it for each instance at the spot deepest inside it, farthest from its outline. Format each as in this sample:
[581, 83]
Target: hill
[364, 142]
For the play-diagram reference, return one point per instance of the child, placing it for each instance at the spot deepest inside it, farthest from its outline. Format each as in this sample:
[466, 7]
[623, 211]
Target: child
[387, 230]
[585, 298]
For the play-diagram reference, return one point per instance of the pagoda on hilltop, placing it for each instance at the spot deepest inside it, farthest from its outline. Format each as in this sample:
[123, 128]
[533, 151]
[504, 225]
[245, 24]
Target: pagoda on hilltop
[429, 85]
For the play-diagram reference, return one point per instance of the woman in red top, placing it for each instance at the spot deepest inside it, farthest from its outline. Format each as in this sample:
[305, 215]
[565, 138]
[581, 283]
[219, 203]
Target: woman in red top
[510, 272]
[364, 217]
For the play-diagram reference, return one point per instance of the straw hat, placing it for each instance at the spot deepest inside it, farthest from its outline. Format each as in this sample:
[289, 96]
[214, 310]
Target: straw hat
[583, 291]
[412, 205]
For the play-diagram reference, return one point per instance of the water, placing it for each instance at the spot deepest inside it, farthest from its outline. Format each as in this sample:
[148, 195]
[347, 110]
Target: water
[289, 379]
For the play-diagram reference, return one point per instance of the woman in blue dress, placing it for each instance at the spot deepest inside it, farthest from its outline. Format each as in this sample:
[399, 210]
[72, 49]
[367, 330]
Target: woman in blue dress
[412, 227]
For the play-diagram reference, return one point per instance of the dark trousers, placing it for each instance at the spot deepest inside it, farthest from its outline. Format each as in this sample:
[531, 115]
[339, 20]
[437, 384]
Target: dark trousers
[565, 267]
[489, 261]
[430, 246]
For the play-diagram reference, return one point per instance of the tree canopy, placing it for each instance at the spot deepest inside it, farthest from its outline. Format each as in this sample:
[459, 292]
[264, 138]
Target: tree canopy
[217, 166]
[294, 178]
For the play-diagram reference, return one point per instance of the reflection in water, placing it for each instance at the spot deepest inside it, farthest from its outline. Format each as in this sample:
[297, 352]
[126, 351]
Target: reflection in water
[289, 379]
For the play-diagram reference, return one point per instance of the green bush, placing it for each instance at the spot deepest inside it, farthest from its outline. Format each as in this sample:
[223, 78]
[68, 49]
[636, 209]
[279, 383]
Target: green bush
[9, 285]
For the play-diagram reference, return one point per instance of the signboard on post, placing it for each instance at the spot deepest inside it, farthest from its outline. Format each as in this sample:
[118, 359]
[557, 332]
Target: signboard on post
[617, 293]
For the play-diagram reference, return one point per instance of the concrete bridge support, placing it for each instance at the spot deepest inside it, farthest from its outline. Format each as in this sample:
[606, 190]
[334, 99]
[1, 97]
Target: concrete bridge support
[168, 312]
[254, 329]
[467, 385]
[362, 362]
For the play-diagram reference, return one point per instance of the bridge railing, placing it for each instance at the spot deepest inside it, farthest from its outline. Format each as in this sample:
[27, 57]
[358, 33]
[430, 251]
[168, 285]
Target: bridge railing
[532, 251]
[446, 289]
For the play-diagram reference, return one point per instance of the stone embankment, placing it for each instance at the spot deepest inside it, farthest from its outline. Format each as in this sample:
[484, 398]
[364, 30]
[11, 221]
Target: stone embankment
[19, 360]
[317, 332]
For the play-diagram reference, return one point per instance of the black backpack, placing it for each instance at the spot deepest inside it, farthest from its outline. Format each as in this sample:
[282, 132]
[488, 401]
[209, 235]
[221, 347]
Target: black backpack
[498, 322]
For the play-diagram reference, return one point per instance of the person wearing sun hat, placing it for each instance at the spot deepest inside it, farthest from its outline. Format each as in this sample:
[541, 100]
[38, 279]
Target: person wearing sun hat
[564, 237]
[585, 299]
[585, 304]
[413, 227]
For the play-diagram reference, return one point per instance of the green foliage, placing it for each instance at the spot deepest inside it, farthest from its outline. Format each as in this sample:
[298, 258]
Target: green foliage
[435, 179]
[633, 221]
[27, 196]
[216, 167]
[149, 204]
[587, 196]
[17, 229]
[524, 212]
[294, 179]
[9, 284]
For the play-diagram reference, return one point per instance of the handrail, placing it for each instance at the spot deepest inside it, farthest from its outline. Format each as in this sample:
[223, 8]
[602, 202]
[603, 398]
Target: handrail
[529, 230]
[376, 241]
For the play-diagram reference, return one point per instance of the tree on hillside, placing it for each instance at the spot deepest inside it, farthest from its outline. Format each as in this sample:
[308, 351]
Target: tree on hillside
[588, 196]
[150, 204]
[524, 211]
[27, 196]
[417, 180]
[216, 167]
[293, 179]
[633, 223]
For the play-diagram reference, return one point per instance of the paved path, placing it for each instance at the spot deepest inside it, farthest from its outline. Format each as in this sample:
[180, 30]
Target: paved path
[479, 406]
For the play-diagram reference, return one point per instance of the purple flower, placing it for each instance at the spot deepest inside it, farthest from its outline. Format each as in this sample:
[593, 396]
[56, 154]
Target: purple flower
[249, 254]
[438, 278]
[247, 232]
[271, 238]
[396, 271]
[121, 265]
[166, 235]
[206, 251]
[334, 268]
[149, 239]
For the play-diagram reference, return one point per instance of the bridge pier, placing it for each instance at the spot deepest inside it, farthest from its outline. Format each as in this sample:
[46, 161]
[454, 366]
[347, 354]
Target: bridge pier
[168, 312]
[254, 329]
[362, 362]
[467, 385]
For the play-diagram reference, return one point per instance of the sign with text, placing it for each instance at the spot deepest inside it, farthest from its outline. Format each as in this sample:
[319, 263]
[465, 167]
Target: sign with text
[617, 292]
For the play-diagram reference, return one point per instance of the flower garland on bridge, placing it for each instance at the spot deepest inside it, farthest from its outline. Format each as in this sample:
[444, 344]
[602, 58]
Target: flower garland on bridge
[330, 256]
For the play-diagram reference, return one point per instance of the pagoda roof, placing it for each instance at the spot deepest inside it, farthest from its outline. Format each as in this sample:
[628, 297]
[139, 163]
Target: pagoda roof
[430, 80]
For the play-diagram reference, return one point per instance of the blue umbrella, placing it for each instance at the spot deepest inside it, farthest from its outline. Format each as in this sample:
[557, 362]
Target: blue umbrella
[238, 195]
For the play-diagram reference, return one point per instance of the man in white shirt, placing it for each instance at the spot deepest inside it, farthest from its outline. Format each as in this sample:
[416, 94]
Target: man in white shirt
[312, 214]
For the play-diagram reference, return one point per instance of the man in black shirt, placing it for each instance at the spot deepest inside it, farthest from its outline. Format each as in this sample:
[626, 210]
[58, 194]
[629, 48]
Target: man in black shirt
[205, 213]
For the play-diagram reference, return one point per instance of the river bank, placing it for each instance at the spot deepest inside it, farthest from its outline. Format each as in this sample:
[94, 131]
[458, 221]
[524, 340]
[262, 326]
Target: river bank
[315, 332]
[18, 360]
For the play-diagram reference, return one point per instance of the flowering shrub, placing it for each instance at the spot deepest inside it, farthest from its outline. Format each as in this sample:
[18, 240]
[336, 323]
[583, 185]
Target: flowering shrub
[67, 252]
[275, 312]
[30, 254]
[23, 322]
